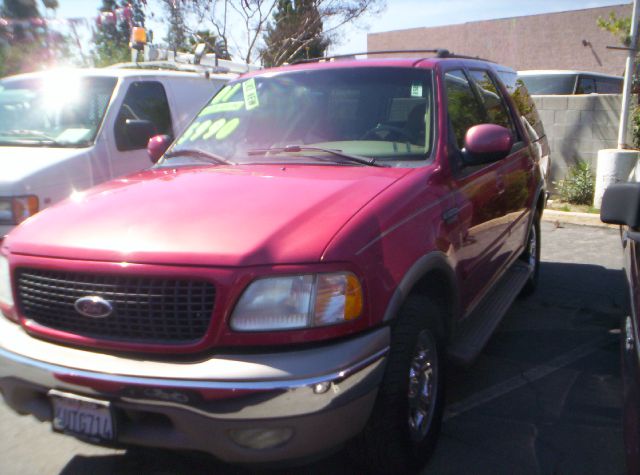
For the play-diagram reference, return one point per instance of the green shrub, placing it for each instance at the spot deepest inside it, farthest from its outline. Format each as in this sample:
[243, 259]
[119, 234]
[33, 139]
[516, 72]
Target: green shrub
[578, 187]
[635, 124]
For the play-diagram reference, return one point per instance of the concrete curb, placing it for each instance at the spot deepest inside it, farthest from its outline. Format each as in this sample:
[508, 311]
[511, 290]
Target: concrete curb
[570, 217]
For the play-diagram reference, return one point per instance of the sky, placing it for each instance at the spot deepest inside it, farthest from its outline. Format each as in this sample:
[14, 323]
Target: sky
[399, 14]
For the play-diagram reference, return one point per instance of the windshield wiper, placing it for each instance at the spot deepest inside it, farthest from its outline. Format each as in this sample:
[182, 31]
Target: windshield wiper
[197, 153]
[303, 148]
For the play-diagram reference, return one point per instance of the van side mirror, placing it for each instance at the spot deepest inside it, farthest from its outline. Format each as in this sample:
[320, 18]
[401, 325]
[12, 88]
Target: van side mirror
[139, 132]
[157, 145]
[621, 205]
[486, 143]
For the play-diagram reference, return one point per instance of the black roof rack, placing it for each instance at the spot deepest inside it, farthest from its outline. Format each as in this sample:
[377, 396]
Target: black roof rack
[439, 53]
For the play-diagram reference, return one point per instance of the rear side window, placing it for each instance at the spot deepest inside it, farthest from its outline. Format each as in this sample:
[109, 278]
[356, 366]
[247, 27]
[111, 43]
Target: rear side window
[550, 83]
[464, 109]
[525, 106]
[608, 86]
[145, 100]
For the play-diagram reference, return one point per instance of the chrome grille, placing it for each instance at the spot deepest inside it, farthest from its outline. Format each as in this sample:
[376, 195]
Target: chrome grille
[145, 309]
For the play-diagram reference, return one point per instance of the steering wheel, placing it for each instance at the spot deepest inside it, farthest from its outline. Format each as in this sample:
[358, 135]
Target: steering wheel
[387, 132]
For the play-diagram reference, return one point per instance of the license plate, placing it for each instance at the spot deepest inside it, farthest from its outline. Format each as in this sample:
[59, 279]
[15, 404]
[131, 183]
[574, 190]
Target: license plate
[82, 416]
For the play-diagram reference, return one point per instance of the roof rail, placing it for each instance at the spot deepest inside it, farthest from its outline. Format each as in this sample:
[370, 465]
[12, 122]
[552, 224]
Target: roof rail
[439, 53]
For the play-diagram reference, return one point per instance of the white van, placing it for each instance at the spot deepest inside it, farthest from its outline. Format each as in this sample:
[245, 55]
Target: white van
[64, 131]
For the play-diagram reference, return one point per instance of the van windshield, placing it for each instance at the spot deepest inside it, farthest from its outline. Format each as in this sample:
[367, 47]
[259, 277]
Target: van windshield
[364, 113]
[53, 110]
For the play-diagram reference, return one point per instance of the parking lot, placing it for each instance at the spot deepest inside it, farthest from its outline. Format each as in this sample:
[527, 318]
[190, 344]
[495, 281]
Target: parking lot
[543, 398]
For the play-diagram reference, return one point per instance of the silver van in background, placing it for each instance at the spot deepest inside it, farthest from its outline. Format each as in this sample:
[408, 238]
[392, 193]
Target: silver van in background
[546, 82]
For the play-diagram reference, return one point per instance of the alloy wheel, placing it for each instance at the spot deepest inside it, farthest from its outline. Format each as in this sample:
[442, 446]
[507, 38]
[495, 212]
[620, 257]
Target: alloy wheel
[423, 381]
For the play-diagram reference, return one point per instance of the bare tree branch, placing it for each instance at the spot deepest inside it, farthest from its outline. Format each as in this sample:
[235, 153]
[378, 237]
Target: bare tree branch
[243, 23]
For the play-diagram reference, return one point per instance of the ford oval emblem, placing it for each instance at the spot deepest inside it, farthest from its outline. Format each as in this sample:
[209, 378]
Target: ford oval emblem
[93, 307]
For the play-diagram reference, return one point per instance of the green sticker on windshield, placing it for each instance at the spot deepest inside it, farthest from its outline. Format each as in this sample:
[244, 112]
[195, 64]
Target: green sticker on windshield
[250, 94]
[200, 130]
[227, 129]
[225, 94]
[416, 89]
[228, 107]
[188, 132]
[217, 125]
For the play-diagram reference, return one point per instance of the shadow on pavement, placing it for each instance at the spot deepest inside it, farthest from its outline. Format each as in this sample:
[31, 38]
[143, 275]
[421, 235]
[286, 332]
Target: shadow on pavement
[167, 462]
[587, 286]
[568, 421]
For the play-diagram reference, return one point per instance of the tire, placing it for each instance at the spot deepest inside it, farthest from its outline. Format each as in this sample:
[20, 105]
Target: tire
[403, 428]
[631, 398]
[531, 256]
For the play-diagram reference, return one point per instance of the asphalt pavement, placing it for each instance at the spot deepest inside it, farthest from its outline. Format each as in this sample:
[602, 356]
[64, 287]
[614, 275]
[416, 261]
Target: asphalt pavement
[544, 397]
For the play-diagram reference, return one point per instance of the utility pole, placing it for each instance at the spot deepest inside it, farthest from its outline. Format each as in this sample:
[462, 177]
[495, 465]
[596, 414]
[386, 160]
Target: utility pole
[617, 164]
[628, 78]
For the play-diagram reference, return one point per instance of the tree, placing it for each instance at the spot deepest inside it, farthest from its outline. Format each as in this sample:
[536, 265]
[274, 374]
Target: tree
[251, 19]
[178, 31]
[113, 30]
[296, 33]
[50, 4]
[620, 28]
[137, 12]
[617, 26]
[20, 9]
[26, 43]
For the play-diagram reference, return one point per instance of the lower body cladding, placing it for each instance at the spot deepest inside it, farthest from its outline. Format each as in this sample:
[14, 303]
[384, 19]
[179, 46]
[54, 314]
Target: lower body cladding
[240, 408]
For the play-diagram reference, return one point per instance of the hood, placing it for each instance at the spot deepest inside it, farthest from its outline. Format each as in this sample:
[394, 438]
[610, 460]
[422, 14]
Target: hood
[18, 163]
[222, 216]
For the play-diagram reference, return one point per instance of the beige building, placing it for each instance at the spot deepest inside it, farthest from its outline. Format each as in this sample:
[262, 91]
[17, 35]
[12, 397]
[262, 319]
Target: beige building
[566, 40]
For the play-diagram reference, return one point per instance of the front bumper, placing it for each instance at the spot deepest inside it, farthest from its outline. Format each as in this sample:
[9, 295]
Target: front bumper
[322, 395]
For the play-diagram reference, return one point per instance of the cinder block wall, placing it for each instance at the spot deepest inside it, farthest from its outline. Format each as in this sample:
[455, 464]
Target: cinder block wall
[577, 127]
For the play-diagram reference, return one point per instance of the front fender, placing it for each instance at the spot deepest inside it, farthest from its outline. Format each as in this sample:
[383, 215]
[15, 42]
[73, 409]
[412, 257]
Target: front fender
[434, 262]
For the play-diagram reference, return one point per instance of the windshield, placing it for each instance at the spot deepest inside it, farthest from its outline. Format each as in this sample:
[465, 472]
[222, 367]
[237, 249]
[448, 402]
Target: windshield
[550, 83]
[363, 113]
[64, 111]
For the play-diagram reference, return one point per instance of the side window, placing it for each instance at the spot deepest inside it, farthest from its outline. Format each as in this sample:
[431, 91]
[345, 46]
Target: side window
[586, 85]
[144, 101]
[608, 86]
[464, 109]
[525, 107]
[493, 101]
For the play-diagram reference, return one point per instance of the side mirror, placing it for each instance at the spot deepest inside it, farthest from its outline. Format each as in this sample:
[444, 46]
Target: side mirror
[157, 146]
[486, 143]
[139, 132]
[621, 205]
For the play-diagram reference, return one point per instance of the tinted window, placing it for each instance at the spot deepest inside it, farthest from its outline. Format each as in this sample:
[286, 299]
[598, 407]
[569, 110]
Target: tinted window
[524, 105]
[586, 85]
[496, 109]
[464, 109]
[145, 100]
[550, 83]
[609, 85]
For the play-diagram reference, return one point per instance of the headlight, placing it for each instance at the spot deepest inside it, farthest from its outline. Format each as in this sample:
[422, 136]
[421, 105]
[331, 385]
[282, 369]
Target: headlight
[16, 209]
[302, 301]
[6, 297]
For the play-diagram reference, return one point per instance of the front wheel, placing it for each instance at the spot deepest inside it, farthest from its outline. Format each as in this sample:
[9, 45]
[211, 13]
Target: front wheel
[531, 256]
[402, 430]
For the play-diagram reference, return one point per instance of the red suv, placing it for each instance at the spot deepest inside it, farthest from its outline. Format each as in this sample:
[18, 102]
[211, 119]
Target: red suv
[294, 271]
